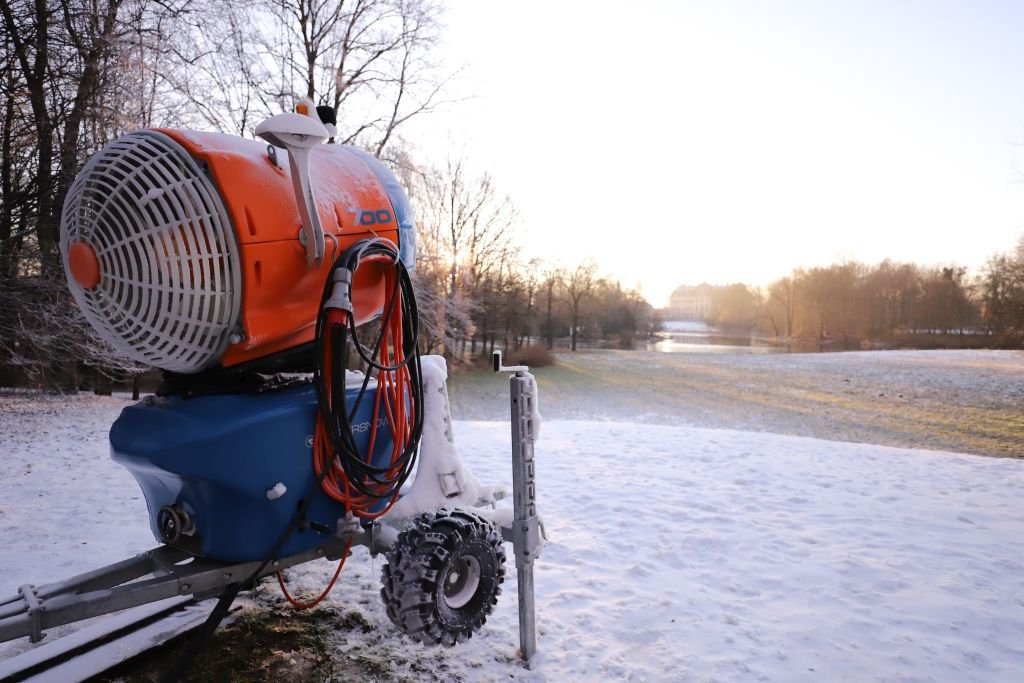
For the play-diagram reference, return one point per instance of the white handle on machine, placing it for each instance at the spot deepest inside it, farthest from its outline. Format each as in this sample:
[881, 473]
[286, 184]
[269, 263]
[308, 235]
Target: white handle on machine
[298, 134]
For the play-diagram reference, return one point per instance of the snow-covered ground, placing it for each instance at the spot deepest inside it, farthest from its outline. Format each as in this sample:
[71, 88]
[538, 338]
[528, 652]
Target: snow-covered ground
[960, 401]
[676, 553]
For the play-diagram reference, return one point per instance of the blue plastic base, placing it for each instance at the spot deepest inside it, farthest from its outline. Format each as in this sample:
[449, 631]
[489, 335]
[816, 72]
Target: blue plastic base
[218, 456]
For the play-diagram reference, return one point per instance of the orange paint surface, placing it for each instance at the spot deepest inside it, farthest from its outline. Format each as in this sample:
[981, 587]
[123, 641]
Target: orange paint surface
[84, 265]
[280, 294]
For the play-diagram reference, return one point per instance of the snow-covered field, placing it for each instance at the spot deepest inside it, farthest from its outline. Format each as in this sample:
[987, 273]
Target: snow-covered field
[960, 401]
[676, 553]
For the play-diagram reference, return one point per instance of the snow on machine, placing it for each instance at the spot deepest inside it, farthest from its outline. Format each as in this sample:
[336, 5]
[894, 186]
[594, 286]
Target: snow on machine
[254, 275]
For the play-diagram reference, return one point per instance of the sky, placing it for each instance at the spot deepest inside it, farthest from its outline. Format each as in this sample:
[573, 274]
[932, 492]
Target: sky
[682, 142]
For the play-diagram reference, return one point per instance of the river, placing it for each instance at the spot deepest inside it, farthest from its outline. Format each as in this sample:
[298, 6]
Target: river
[686, 336]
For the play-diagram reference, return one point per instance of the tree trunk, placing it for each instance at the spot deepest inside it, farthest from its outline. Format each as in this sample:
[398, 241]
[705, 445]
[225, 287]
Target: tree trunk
[573, 330]
[102, 385]
[550, 323]
[69, 152]
[6, 188]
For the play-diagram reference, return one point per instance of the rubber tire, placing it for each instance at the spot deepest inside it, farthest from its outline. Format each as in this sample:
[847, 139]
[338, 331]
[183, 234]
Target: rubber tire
[418, 565]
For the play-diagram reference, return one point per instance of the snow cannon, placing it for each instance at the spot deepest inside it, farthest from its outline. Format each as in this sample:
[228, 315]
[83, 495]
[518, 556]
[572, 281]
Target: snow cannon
[253, 274]
[223, 262]
[189, 250]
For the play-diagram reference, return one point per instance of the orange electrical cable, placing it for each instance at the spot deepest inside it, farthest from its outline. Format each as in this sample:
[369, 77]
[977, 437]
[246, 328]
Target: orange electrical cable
[306, 605]
[390, 406]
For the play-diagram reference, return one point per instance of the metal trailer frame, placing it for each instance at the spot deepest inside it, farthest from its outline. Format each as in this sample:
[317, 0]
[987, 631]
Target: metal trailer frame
[157, 574]
[167, 571]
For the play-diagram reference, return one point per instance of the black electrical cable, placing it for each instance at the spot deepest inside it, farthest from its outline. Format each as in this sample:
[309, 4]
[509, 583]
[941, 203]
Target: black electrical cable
[338, 423]
[355, 467]
[343, 444]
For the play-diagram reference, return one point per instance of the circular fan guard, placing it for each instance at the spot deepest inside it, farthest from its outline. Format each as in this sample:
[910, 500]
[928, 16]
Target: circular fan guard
[168, 286]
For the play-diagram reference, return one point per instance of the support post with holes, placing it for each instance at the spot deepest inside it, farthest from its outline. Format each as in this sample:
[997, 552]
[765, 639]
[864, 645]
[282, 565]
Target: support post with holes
[526, 540]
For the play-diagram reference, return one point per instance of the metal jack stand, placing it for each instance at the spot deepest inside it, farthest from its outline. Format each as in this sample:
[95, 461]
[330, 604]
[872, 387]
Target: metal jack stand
[526, 530]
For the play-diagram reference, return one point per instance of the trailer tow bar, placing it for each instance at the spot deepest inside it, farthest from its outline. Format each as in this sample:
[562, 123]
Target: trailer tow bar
[158, 574]
[526, 529]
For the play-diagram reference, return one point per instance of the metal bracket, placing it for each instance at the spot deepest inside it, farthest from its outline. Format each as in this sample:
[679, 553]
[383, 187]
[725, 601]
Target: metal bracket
[34, 608]
[349, 528]
[299, 134]
[526, 538]
[272, 156]
[500, 367]
[449, 484]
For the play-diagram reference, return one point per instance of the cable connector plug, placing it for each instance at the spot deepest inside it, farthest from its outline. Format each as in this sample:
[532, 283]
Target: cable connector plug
[338, 304]
[348, 527]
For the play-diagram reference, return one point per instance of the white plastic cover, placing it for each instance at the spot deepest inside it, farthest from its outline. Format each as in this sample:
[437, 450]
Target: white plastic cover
[170, 284]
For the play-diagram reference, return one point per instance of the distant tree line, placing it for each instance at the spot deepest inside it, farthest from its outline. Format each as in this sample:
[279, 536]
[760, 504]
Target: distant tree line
[847, 303]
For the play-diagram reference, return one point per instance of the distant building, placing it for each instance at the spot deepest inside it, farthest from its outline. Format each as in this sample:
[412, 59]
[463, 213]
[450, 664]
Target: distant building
[691, 303]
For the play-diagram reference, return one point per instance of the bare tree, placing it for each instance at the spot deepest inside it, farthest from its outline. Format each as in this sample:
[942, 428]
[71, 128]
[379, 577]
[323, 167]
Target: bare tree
[442, 320]
[734, 307]
[64, 89]
[45, 337]
[549, 288]
[577, 284]
[782, 292]
[1002, 292]
[622, 314]
[205, 67]
[465, 226]
[372, 60]
[894, 292]
[18, 153]
[61, 59]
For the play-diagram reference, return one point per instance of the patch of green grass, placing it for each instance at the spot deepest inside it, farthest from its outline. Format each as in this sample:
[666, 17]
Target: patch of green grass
[950, 401]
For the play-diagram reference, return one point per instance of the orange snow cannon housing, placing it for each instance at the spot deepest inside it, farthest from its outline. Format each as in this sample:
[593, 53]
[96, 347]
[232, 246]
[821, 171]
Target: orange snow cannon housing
[280, 294]
[185, 250]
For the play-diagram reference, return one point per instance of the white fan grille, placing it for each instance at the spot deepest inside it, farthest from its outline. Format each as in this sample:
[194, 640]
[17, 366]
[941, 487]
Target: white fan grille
[169, 279]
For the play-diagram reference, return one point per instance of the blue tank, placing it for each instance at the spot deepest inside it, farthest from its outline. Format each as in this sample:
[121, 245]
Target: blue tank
[218, 456]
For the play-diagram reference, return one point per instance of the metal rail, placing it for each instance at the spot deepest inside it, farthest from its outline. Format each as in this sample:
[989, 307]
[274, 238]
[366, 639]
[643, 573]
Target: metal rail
[161, 573]
[526, 529]
[106, 644]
